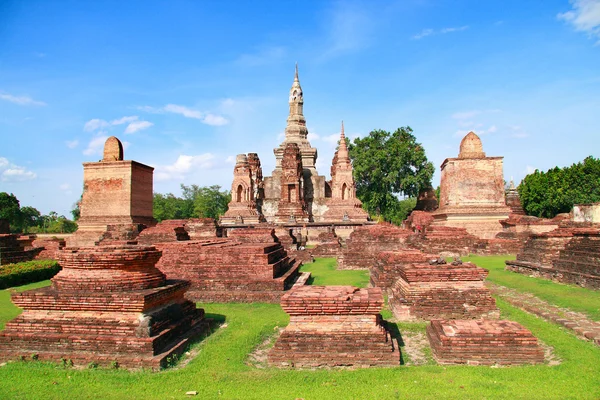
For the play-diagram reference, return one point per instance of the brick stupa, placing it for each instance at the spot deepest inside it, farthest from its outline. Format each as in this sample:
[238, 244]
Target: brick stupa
[117, 198]
[366, 243]
[108, 304]
[334, 326]
[439, 290]
[483, 342]
[245, 192]
[472, 191]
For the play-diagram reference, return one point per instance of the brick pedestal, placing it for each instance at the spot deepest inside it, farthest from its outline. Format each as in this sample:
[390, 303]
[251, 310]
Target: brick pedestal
[483, 342]
[334, 326]
[108, 304]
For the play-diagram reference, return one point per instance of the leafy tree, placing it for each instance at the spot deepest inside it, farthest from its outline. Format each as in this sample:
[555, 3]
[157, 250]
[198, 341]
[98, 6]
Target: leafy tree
[209, 201]
[546, 194]
[10, 209]
[30, 217]
[387, 166]
[76, 209]
[169, 206]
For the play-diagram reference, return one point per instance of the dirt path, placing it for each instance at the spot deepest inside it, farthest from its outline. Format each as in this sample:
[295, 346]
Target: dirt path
[575, 321]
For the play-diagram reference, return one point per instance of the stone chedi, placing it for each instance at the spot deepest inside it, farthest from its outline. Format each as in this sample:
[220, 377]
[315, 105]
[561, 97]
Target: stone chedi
[343, 204]
[334, 326]
[108, 304]
[472, 191]
[439, 290]
[513, 200]
[246, 191]
[117, 198]
[483, 342]
[292, 206]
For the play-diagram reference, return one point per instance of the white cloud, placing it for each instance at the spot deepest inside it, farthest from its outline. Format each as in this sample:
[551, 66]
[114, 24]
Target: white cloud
[492, 129]
[94, 124]
[214, 120]
[443, 31]
[96, 145]
[138, 126]
[230, 160]
[182, 110]
[72, 143]
[21, 100]
[183, 165]
[64, 186]
[10, 172]
[313, 137]
[584, 17]
[124, 120]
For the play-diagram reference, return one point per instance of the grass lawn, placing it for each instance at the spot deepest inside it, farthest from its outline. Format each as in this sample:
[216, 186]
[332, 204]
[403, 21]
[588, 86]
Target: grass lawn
[219, 371]
[323, 272]
[570, 296]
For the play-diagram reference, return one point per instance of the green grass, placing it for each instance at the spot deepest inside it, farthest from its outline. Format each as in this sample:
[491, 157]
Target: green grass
[8, 310]
[570, 296]
[219, 370]
[324, 273]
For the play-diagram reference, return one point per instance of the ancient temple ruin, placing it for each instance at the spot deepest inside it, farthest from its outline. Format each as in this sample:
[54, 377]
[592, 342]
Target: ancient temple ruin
[472, 191]
[117, 198]
[295, 192]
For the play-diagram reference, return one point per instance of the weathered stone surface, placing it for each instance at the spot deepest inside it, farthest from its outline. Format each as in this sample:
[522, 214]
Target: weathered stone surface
[115, 192]
[230, 270]
[334, 326]
[366, 242]
[108, 304]
[328, 245]
[49, 247]
[113, 150]
[587, 213]
[245, 191]
[433, 290]
[389, 265]
[292, 204]
[171, 230]
[472, 191]
[12, 250]
[483, 342]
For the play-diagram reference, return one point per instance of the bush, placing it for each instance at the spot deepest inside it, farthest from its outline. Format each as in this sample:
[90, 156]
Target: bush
[27, 272]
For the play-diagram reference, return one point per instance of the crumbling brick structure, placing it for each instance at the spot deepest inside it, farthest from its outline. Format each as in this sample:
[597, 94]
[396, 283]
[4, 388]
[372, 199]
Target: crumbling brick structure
[245, 191]
[12, 250]
[389, 265]
[438, 290]
[49, 247]
[472, 191]
[483, 342]
[171, 230]
[109, 304]
[334, 326]
[569, 254]
[366, 242]
[230, 270]
[328, 245]
[116, 193]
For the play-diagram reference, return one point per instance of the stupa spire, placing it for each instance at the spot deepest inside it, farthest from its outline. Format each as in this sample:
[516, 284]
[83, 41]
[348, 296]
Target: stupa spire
[296, 124]
[343, 149]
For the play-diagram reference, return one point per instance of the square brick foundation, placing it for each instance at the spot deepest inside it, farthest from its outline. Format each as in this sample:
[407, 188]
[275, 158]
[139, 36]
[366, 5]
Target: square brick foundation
[483, 342]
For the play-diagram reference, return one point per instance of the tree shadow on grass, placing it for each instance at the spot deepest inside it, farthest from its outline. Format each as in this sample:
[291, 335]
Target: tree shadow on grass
[395, 334]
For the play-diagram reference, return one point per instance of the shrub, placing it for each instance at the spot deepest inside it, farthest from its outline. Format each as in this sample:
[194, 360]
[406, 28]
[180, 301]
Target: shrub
[27, 272]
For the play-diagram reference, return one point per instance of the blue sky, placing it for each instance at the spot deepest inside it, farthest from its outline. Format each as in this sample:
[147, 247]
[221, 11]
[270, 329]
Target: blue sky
[187, 85]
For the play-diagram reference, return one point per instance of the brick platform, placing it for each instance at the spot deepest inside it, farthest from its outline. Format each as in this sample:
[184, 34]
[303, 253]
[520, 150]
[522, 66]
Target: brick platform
[483, 342]
[334, 326]
[425, 291]
[389, 264]
[228, 270]
[172, 230]
[108, 304]
[366, 242]
[49, 248]
[12, 250]
[568, 254]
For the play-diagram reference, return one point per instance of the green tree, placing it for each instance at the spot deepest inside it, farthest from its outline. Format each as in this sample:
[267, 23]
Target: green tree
[169, 206]
[209, 201]
[10, 210]
[30, 217]
[388, 166]
[546, 194]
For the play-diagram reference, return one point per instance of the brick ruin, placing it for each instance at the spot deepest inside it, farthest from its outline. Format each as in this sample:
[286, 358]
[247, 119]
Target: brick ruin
[439, 290]
[366, 242]
[292, 206]
[251, 266]
[49, 248]
[329, 245]
[472, 191]
[389, 265]
[334, 326]
[13, 250]
[246, 191]
[513, 200]
[569, 254]
[109, 304]
[483, 342]
[117, 198]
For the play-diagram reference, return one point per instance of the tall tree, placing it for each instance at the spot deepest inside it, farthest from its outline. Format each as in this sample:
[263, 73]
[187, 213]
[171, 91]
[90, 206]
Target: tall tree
[388, 166]
[169, 206]
[30, 217]
[546, 194]
[10, 209]
[209, 201]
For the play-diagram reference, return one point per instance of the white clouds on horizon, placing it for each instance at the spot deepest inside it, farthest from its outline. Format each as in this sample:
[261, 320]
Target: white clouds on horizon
[136, 126]
[96, 145]
[10, 172]
[21, 100]
[584, 17]
[72, 143]
[183, 166]
[204, 117]
[430, 32]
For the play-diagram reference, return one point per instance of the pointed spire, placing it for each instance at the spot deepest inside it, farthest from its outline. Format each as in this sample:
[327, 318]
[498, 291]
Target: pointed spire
[342, 136]
[296, 75]
[343, 149]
